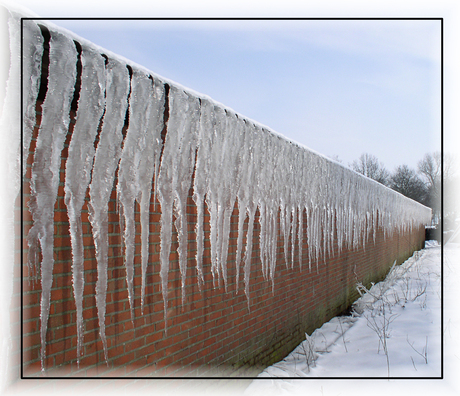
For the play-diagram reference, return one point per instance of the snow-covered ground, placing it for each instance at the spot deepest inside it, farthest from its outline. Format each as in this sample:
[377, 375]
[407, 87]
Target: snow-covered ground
[394, 334]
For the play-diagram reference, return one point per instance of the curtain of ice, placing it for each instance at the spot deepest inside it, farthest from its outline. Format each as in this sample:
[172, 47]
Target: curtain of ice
[79, 164]
[47, 162]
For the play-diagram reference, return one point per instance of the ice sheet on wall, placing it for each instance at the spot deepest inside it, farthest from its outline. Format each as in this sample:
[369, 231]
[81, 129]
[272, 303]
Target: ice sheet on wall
[168, 142]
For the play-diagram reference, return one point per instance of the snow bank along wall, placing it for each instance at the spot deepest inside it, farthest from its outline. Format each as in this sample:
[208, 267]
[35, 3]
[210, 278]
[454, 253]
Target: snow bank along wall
[166, 235]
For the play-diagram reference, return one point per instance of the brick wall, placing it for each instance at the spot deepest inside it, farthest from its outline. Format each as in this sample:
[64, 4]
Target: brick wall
[214, 332]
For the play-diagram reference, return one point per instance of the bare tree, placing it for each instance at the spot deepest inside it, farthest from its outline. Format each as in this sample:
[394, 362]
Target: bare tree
[406, 181]
[450, 187]
[368, 165]
[430, 169]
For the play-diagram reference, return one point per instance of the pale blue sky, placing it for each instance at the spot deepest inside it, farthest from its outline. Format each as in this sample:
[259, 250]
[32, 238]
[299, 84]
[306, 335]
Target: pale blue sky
[339, 87]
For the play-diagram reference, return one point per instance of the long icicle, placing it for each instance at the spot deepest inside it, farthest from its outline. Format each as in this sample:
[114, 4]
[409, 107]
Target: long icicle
[174, 181]
[200, 182]
[135, 174]
[148, 163]
[78, 168]
[47, 162]
[106, 159]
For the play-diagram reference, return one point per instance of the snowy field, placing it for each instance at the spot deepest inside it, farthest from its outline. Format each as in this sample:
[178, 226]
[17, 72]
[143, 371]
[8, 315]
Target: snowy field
[395, 332]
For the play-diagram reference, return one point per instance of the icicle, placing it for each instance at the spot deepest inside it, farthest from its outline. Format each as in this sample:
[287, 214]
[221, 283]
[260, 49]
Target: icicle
[230, 181]
[261, 200]
[136, 171]
[47, 161]
[33, 50]
[285, 201]
[78, 167]
[272, 203]
[301, 237]
[126, 188]
[239, 137]
[211, 203]
[283, 229]
[200, 183]
[263, 238]
[188, 128]
[165, 196]
[299, 202]
[157, 118]
[309, 241]
[317, 235]
[106, 160]
[216, 189]
[293, 234]
[250, 195]
[273, 247]
[243, 194]
[225, 238]
[248, 253]
[328, 230]
[239, 242]
[276, 193]
[219, 231]
[174, 180]
[148, 164]
[296, 198]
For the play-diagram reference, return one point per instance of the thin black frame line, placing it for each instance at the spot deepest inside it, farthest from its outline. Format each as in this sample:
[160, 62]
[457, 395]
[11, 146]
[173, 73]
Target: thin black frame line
[234, 18]
[22, 195]
[441, 19]
[442, 197]
[44, 377]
